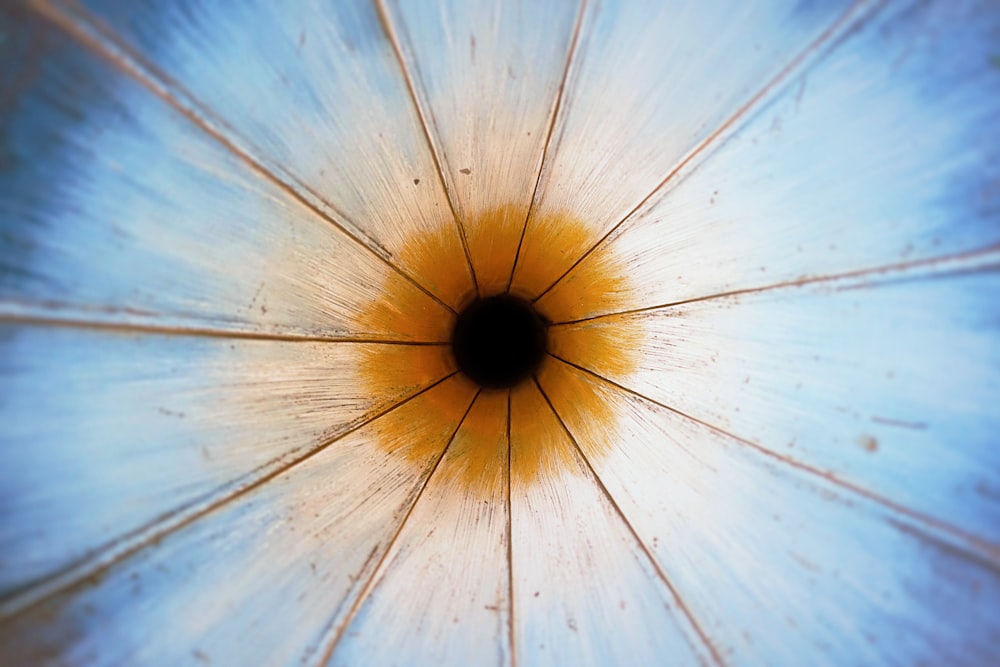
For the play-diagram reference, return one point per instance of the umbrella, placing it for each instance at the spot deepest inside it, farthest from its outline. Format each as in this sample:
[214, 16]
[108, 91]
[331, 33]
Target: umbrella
[386, 332]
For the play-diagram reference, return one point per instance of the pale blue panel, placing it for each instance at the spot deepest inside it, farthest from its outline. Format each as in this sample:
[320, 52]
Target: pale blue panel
[890, 385]
[488, 75]
[782, 567]
[585, 591]
[260, 581]
[109, 433]
[652, 81]
[311, 90]
[886, 151]
[116, 208]
[442, 595]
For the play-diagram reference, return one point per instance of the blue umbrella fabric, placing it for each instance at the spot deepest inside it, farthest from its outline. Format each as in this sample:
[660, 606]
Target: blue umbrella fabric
[762, 240]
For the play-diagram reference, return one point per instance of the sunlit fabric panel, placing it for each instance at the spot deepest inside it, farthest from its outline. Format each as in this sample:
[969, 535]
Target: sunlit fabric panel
[112, 438]
[267, 579]
[314, 93]
[888, 384]
[118, 209]
[442, 596]
[652, 82]
[882, 153]
[584, 588]
[488, 76]
[779, 564]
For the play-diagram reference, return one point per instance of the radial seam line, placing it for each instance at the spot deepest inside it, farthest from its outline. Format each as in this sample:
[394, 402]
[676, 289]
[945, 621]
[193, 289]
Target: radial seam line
[554, 115]
[716, 656]
[387, 26]
[89, 33]
[510, 546]
[83, 571]
[973, 547]
[195, 332]
[369, 586]
[901, 267]
[842, 24]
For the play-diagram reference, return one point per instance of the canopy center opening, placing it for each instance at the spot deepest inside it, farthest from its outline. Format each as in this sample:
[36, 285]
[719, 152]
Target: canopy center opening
[499, 341]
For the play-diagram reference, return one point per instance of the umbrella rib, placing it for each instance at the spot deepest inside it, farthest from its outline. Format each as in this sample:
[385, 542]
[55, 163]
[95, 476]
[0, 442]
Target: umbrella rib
[927, 527]
[88, 570]
[554, 115]
[429, 137]
[702, 635]
[510, 548]
[92, 35]
[941, 262]
[845, 23]
[37, 319]
[338, 634]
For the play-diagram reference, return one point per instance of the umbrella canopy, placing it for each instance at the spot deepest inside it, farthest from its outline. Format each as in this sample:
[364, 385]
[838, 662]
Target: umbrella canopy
[389, 332]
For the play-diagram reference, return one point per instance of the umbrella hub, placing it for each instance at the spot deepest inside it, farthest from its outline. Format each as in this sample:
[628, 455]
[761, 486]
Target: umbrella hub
[499, 341]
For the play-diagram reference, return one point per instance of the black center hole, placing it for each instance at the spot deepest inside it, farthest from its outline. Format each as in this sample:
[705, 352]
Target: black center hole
[499, 341]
